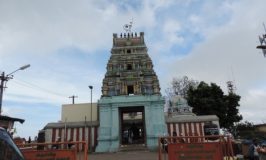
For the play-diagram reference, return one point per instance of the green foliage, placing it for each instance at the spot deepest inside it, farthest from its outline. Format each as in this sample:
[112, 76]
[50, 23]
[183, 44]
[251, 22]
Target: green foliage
[243, 126]
[231, 101]
[210, 99]
[247, 130]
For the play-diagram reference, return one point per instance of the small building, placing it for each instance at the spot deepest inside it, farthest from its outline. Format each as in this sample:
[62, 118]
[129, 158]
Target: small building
[260, 128]
[79, 122]
[183, 122]
[190, 125]
[8, 122]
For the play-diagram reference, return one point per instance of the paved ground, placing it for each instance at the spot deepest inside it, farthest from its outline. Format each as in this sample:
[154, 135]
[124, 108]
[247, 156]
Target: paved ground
[130, 155]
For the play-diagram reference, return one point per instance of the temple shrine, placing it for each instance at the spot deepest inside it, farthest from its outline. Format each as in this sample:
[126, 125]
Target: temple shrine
[131, 107]
[130, 112]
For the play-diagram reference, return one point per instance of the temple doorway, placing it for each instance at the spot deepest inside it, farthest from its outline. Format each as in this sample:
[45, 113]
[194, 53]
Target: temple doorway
[132, 125]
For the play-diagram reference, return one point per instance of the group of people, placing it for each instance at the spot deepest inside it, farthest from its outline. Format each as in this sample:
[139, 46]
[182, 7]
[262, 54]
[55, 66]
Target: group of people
[58, 145]
[133, 133]
[256, 152]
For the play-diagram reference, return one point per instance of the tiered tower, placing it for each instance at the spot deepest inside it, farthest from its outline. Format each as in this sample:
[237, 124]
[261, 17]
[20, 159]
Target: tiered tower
[130, 87]
[130, 69]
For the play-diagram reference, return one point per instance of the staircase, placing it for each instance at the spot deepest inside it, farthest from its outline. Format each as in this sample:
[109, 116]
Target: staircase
[133, 147]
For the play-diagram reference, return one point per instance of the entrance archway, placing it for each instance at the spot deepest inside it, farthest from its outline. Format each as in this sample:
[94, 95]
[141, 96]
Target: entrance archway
[132, 125]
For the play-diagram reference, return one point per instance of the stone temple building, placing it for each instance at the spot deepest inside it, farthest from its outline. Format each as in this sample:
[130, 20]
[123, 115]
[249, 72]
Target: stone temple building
[130, 111]
[131, 107]
[130, 69]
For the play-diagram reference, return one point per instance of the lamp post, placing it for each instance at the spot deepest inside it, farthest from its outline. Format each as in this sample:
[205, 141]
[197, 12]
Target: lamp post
[7, 77]
[91, 87]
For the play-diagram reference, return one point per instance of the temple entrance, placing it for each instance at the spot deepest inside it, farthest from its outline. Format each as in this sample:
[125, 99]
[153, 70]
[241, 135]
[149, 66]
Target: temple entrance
[132, 125]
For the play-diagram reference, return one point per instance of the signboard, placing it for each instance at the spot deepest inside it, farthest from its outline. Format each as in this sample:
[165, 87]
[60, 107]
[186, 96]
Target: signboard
[195, 151]
[49, 154]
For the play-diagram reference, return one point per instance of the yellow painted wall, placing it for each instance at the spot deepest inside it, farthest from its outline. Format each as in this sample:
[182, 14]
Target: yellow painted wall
[261, 128]
[78, 112]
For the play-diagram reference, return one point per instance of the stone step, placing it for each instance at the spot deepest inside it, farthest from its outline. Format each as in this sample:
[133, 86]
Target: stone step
[133, 147]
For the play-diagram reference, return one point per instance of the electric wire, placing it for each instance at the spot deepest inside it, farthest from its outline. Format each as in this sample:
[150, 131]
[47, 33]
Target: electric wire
[36, 87]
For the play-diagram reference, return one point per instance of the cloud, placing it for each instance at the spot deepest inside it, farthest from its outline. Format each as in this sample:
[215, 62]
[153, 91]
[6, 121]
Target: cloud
[254, 100]
[45, 27]
[170, 30]
[35, 30]
[229, 53]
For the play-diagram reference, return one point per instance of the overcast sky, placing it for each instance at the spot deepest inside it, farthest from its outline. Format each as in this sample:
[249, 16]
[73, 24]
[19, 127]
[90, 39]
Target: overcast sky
[68, 45]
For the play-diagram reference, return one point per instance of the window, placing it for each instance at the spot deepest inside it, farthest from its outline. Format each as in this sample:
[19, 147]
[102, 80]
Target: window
[148, 90]
[128, 51]
[129, 67]
[130, 90]
[211, 130]
[111, 92]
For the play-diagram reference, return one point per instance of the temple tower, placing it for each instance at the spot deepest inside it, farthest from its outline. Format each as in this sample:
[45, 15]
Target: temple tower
[131, 106]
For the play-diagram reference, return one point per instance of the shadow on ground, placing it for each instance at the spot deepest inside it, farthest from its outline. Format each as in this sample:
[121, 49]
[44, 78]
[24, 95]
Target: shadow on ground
[131, 155]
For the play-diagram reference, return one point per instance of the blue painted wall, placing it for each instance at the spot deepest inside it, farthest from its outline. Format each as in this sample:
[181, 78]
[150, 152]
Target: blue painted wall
[109, 137]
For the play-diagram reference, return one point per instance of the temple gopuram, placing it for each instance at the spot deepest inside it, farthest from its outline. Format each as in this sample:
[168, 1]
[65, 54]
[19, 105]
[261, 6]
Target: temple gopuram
[131, 107]
[130, 112]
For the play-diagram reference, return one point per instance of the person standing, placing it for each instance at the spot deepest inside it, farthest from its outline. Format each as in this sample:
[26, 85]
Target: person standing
[56, 145]
[174, 135]
[252, 150]
[70, 144]
[262, 152]
[29, 140]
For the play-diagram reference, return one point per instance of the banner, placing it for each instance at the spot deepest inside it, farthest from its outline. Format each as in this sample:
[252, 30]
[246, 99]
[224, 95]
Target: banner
[49, 154]
[195, 151]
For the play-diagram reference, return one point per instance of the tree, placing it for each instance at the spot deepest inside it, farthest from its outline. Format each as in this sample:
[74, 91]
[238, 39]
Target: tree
[231, 102]
[245, 130]
[210, 99]
[180, 86]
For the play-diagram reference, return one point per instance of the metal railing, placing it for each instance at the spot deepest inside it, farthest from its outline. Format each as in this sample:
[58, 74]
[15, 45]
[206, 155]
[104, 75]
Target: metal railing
[177, 148]
[55, 150]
